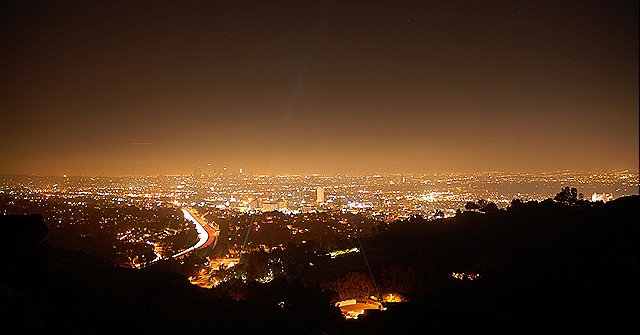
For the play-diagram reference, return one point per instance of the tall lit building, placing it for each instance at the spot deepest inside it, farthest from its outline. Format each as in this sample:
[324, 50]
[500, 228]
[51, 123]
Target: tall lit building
[320, 195]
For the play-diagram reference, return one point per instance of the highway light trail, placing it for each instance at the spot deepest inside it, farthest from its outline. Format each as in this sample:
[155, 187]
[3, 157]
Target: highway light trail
[203, 236]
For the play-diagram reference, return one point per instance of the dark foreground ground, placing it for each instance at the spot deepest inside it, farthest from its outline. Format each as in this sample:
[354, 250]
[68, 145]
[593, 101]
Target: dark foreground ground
[545, 267]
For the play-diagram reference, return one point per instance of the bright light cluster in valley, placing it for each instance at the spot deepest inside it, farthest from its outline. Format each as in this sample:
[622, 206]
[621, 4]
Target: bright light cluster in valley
[229, 218]
[385, 197]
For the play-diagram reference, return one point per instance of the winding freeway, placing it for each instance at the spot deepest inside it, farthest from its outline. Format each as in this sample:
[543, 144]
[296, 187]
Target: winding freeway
[207, 234]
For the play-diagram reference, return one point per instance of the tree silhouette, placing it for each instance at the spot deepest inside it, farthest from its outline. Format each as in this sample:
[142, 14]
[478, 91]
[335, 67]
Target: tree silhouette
[482, 206]
[570, 196]
[354, 285]
[470, 205]
[490, 207]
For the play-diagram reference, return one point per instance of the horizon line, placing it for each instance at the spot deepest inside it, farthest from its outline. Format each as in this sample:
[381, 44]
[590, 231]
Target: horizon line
[325, 174]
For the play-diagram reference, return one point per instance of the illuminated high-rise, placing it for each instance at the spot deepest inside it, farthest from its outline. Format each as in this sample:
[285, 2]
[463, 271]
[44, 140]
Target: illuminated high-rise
[320, 195]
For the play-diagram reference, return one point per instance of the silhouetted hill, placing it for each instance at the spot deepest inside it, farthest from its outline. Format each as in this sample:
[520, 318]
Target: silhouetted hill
[58, 291]
[542, 266]
[19, 235]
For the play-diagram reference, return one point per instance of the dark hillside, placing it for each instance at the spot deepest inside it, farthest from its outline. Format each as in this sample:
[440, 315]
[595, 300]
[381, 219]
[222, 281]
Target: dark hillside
[539, 266]
[48, 290]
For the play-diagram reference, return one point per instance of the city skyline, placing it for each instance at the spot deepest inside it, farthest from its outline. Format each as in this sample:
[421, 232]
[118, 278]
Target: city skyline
[318, 87]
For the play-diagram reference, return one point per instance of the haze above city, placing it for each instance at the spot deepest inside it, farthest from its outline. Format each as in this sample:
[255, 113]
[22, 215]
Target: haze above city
[318, 87]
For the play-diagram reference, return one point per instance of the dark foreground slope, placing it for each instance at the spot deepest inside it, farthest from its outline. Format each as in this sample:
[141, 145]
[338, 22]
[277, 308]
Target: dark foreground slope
[542, 266]
[47, 290]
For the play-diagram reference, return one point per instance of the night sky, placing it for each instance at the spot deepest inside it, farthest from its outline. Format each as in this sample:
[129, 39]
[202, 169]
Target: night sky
[161, 87]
